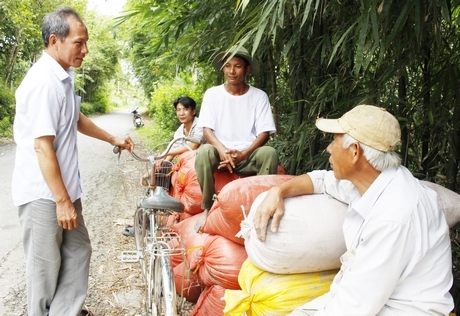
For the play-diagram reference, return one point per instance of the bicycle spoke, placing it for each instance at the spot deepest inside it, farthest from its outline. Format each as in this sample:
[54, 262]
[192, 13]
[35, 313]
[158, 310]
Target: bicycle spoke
[157, 289]
[140, 238]
[151, 308]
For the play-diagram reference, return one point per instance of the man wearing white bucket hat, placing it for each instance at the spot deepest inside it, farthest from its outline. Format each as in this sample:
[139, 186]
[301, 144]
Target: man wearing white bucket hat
[398, 258]
[237, 121]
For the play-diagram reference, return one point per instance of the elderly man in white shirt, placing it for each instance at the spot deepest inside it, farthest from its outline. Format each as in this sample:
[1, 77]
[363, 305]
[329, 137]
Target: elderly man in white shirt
[398, 258]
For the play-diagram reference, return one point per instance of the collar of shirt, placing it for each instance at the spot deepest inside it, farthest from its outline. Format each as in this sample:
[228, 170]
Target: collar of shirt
[360, 207]
[195, 121]
[364, 204]
[190, 132]
[57, 69]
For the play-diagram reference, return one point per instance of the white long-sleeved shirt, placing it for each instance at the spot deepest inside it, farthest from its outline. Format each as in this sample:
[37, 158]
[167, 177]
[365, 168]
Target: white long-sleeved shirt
[398, 259]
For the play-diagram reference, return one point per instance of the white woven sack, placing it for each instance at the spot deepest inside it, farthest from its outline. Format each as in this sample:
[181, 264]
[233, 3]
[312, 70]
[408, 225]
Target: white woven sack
[309, 237]
[448, 201]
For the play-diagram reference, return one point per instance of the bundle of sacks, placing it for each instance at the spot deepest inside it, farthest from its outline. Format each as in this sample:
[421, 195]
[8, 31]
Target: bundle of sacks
[228, 271]
[309, 239]
[214, 256]
[260, 278]
[293, 266]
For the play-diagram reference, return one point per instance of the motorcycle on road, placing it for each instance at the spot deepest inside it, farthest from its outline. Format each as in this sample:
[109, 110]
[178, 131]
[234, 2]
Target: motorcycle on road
[137, 119]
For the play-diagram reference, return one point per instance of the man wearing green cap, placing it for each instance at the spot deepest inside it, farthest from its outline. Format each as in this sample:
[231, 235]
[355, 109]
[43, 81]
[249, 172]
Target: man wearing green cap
[398, 258]
[237, 121]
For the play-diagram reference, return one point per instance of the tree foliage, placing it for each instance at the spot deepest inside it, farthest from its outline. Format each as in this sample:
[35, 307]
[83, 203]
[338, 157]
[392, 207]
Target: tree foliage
[101, 65]
[21, 45]
[320, 58]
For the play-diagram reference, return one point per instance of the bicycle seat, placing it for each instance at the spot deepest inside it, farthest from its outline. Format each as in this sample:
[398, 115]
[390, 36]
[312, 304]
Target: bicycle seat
[160, 200]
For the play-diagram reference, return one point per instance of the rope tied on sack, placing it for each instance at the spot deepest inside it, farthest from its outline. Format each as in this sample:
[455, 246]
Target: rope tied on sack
[245, 226]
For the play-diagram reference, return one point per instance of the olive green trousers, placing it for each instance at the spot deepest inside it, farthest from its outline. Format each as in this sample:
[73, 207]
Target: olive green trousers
[263, 160]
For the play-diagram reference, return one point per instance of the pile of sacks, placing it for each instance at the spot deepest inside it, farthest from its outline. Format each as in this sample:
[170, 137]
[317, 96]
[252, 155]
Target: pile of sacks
[228, 271]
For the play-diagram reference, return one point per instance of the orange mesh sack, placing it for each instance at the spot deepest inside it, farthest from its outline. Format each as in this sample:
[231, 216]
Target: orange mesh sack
[210, 303]
[185, 186]
[226, 214]
[188, 281]
[177, 256]
[309, 237]
[194, 242]
[221, 262]
[267, 294]
[222, 178]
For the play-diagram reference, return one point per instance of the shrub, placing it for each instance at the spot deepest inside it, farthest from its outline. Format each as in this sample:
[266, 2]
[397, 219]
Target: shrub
[6, 103]
[6, 111]
[86, 108]
[6, 128]
[161, 108]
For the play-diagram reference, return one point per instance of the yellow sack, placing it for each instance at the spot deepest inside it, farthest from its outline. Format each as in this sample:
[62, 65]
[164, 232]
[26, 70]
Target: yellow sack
[267, 294]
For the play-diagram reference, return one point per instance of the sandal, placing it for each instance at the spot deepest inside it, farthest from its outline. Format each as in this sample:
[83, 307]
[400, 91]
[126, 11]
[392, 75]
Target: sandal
[129, 231]
[85, 312]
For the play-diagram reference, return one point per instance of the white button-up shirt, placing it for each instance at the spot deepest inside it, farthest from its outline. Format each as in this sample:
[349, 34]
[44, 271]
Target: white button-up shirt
[46, 105]
[398, 259]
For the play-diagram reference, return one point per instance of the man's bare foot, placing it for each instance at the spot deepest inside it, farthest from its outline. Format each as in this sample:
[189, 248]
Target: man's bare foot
[201, 221]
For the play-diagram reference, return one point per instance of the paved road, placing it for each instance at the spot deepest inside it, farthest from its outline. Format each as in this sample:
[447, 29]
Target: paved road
[94, 157]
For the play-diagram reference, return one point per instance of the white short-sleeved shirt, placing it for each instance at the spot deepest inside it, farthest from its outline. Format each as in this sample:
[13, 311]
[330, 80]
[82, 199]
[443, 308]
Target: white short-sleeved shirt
[398, 259]
[46, 104]
[236, 120]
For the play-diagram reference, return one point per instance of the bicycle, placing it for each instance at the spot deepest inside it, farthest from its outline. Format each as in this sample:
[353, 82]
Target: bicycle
[155, 241]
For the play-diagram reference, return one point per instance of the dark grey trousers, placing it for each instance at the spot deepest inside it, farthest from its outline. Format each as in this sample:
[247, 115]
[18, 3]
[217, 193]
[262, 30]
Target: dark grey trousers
[57, 260]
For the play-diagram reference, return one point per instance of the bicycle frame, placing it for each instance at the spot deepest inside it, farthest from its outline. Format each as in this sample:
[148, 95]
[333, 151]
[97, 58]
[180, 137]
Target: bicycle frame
[153, 237]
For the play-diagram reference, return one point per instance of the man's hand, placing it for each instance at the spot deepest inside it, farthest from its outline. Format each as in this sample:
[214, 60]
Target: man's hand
[66, 215]
[145, 179]
[126, 143]
[231, 158]
[158, 164]
[272, 206]
[226, 160]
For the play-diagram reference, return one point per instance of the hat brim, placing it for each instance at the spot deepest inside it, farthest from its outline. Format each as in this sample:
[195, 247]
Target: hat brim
[220, 58]
[329, 126]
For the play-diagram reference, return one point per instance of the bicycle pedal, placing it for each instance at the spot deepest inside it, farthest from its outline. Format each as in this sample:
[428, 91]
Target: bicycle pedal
[129, 256]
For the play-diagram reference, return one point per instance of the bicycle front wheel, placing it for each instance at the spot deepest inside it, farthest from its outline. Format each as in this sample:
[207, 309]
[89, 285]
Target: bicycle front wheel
[161, 292]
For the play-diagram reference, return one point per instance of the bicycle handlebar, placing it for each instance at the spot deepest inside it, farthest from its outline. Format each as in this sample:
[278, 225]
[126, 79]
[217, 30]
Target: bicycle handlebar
[116, 149]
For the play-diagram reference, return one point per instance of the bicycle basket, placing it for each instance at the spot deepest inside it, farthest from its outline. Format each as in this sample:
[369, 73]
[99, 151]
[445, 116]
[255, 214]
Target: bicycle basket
[163, 175]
